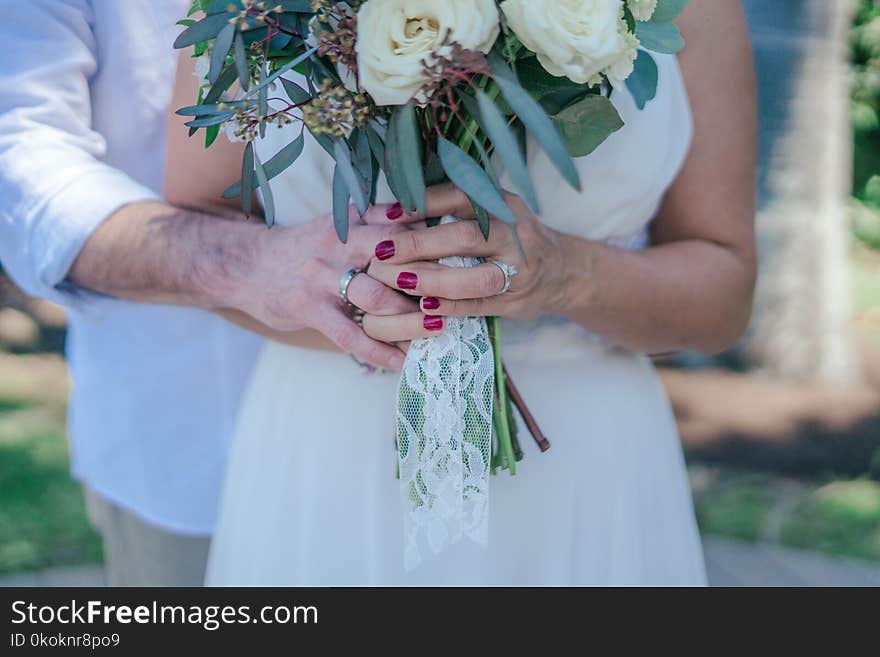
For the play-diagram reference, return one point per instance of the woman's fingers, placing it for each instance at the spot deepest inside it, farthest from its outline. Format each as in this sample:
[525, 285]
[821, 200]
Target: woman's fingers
[463, 238]
[402, 328]
[429, 279]
[375, 298]
[440, 200]
[486, 307]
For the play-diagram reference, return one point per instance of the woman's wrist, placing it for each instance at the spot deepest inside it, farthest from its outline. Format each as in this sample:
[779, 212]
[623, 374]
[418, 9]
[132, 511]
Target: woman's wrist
[577, 279]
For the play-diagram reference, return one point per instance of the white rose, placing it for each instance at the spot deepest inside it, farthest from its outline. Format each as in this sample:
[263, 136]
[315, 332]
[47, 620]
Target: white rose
[395, 37]
[642, 10]
[577, 39]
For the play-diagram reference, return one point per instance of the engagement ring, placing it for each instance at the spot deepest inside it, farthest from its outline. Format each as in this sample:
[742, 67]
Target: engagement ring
[509, 272]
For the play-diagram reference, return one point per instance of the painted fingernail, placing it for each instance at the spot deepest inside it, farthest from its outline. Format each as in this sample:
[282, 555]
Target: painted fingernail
[395, 212]
[408, 281]
[433, 323]
[430, 303]
[385, 250]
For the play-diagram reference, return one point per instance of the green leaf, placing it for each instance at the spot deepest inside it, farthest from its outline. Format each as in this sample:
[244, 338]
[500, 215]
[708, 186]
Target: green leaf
[363, 159]
[247, 177]
[222, 46]
[206, 29]
[266, 190]
[668, 10]
[301, 6]
[239, 57]
[227, 77]
[277, 165]
[211, 135]
[376, 144]
[663, 38]
[643, 81]
[536, 121]
[470, 178]
[409, 147]
[205, 110]
[508, 149]
[482, 219]
[557, 101]
[296, 93]
[212, 120]
[394, 170]
[342, 154]
[535, 79]
[341, 197]
[586, 125]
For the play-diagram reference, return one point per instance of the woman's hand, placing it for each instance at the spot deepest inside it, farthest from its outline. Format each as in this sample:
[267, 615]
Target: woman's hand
[407, 262]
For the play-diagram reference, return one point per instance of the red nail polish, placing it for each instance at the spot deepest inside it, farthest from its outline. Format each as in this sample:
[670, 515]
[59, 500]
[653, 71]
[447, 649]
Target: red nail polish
[430, 303]
[395, 212]
[408, 281]
[385, 250]
[433, 323]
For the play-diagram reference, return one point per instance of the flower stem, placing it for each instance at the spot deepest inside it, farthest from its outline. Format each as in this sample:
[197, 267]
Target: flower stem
[502, 424]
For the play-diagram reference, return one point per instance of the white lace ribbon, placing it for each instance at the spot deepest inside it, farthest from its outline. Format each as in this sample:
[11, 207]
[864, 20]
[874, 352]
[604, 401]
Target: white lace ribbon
[444, 435]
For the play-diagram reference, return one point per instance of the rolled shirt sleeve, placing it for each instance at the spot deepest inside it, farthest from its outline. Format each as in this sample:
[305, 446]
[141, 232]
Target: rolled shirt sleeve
[55, 188]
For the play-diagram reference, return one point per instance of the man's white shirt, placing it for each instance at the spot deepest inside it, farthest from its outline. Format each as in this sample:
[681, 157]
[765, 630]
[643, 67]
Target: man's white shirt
[85, 88]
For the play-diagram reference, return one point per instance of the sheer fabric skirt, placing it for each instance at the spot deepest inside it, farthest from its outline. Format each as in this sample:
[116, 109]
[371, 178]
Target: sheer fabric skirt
[311, 497]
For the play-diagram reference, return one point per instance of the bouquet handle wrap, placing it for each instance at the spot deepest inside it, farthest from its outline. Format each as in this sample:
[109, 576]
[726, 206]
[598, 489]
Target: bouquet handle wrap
[444, 435]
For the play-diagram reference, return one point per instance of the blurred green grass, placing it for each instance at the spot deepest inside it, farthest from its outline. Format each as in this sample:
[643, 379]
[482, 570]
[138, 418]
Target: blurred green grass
[43, 521]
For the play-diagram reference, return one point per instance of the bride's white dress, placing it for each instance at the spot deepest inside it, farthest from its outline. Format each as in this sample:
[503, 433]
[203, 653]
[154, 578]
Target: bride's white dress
[311, 496]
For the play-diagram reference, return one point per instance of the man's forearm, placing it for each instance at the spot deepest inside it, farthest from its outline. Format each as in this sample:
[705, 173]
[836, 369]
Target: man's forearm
[154, 253]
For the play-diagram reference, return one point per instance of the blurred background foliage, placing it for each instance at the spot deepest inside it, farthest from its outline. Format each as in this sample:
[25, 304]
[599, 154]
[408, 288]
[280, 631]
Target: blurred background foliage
[865, 41]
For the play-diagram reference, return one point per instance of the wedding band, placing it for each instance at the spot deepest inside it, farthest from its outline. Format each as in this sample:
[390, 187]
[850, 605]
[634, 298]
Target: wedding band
[509, 272]
[345, 283]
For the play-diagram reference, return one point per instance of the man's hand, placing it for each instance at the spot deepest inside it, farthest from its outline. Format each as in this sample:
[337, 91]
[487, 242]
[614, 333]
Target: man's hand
[286, 278]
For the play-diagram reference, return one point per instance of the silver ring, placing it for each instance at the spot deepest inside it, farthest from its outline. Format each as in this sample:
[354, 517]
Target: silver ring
[345, 283]
[509, 272]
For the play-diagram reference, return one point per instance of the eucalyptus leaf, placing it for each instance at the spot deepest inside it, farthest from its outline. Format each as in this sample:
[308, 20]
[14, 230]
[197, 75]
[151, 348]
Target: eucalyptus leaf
[296, 93]
[211, 135]
[643, 81]
[239, 57]
[409, 147]
[301, 6]
[227, 77]
[536, 121]
[363, 160]
[483, 219]
[394, 171]
[206, 121]
[341, 198]
[277, 165]
[470, 178]
[266, 191]
[206, 110]
[376, 144]
[222, 46]
[508, 149]
[206, 29]
[664, 38]
[342, 154]
[247, 177]
[586, 125]
[668, 10]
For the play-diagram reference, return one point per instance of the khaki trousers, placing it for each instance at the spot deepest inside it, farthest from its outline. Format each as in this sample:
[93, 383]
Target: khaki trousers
[137, 553]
